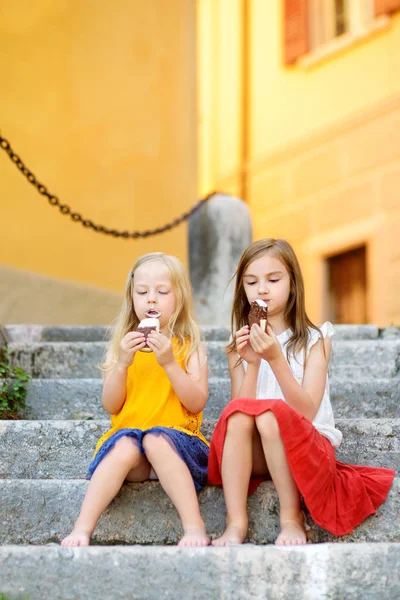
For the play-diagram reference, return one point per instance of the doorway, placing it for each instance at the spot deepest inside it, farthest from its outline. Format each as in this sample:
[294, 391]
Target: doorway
[347, 287]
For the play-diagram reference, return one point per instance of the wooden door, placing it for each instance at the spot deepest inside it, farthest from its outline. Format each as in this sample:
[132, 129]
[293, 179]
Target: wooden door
[348, 287]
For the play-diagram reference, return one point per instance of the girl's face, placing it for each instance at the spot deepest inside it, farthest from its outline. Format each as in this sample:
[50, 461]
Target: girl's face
[267, 278]
[153, 295]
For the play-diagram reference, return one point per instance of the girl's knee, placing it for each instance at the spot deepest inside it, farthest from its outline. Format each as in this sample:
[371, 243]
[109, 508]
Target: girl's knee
[240, 422]
[126, 449]
[268, 426]
[154, 443]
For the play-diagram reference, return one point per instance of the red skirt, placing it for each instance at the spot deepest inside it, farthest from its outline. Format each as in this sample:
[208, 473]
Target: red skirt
[338, 496]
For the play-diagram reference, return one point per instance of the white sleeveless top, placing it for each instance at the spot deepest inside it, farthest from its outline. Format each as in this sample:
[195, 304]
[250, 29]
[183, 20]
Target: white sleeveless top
[268, 386]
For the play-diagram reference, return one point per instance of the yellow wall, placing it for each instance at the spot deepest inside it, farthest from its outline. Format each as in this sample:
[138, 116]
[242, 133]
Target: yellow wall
[220, 94]
[289, 103]
[314, 151]
[99, 99]
[283, 104]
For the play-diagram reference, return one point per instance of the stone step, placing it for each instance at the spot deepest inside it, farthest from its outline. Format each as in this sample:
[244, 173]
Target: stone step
[71, 360]
[64, 449]
[86, 333]
[43, 511]
[68, 333]
[325, 571]
[81, 398]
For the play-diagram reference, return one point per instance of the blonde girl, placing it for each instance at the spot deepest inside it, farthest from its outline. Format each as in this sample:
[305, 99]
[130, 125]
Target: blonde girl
[155, 400]
[279, 424]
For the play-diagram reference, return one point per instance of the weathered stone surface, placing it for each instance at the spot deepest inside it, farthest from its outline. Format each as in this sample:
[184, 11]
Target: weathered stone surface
[367, 358]
[4, 336]
[28, 334]
[68, 333]
[81, 398]
[219, 232]
[67, 360]
[365, 382]
[63, 449]
[366, 398]
[43, 511]
[391, 332]
[313, 572]
[350, 359]
[64, 399]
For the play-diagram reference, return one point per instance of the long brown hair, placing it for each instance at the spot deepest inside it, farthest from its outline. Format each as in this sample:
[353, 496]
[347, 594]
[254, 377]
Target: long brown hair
[295, 312]
[182, 323]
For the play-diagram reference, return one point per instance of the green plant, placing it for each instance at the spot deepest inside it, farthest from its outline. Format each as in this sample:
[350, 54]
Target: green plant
[13, 386]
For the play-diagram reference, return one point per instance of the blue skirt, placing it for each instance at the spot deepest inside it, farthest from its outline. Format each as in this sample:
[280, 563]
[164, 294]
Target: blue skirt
[192, 450]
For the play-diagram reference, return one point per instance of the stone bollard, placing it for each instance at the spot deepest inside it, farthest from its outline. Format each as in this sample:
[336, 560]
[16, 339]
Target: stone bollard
[219, 232]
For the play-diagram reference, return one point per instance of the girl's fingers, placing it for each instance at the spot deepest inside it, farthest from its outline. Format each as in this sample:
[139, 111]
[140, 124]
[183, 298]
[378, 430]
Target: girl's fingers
[257, 329]
[133, 335]
[243, 331]
[243, 336]
[154, 337]
[156, 345]
[151, 343]
[134, 343]
[141, 345]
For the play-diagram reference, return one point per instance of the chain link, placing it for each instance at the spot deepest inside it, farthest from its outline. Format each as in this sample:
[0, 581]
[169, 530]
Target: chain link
[77, 218]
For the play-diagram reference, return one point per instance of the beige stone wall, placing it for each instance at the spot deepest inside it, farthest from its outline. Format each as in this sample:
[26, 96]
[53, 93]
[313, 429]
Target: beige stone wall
[33, 299]
[334, 191]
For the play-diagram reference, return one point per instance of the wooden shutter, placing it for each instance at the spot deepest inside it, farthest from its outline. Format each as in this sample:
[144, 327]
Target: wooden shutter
[383, 7]
[295, 21]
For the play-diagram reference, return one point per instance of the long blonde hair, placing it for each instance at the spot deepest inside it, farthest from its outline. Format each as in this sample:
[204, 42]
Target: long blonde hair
[295, 312]
[182, 324]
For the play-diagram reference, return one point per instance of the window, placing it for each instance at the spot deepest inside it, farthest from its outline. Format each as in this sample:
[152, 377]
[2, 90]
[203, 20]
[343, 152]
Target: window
[329, 19]
[313, 25]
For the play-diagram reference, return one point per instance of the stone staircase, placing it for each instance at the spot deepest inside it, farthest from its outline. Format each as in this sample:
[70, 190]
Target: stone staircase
[43, 462]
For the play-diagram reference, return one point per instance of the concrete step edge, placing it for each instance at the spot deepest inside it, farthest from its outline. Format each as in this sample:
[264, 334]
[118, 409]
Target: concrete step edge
[95, 332]
[59, 346]
[43, 511]
[367, 571]
[49, 449]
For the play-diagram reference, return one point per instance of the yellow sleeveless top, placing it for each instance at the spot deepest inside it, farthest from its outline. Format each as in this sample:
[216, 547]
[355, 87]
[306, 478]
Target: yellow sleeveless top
[151, 400]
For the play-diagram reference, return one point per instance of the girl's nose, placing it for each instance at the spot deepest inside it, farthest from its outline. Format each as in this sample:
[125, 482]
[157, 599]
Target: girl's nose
[262, 289]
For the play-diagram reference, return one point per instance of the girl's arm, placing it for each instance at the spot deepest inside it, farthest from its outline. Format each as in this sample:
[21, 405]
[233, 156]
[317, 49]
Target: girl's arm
[236, 373]
[191, 387]
[243, 382]
[114, 386]
[306, 399]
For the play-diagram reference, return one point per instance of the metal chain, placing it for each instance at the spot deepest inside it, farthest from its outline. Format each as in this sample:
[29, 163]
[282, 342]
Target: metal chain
[77, 218]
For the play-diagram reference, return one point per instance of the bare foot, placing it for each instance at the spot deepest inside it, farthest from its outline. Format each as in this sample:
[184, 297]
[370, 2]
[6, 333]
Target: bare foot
[77, 537]
[233, 534]
[195, 537]
[292, 533]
